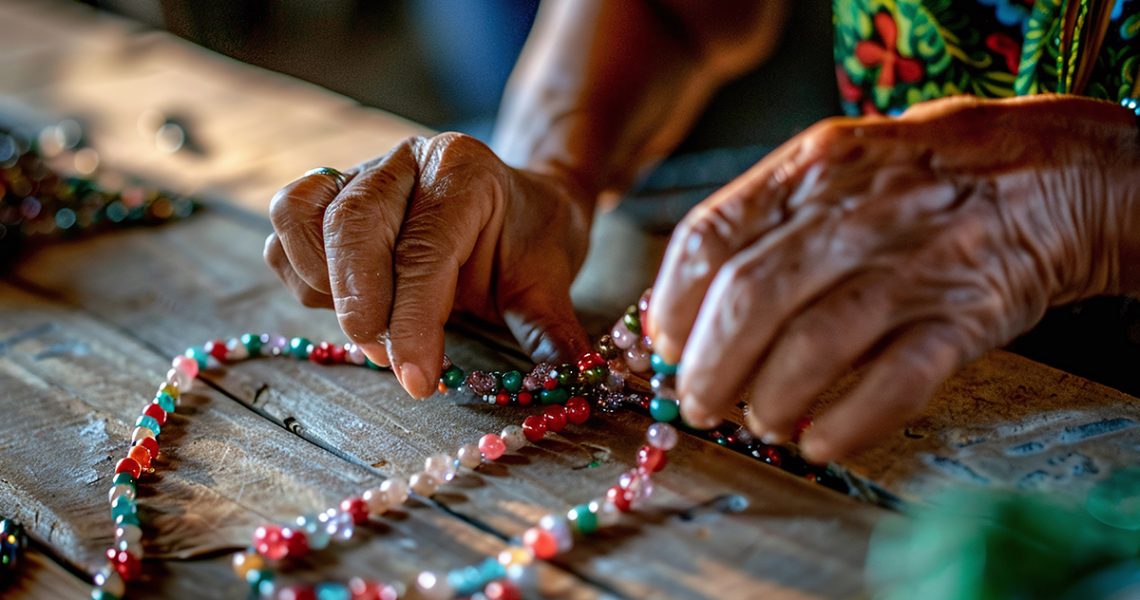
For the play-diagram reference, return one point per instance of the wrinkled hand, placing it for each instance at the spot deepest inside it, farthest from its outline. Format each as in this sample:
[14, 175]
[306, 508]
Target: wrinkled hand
[906, 246]
[436, 226]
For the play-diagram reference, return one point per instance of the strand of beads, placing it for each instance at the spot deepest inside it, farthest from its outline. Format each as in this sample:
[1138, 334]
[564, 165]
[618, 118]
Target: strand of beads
[13, 542]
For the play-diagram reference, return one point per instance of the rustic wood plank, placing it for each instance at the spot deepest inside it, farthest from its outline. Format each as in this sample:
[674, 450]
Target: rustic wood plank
[204, 278]
[72, 389]
[41, 578]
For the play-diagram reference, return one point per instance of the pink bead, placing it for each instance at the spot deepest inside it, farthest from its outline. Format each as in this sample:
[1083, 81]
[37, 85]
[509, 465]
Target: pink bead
[637, 359]
[491, 446]
[187, 365]
[622, 336]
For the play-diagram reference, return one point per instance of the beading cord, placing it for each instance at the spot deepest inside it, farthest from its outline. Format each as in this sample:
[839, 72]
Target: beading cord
[611, 377]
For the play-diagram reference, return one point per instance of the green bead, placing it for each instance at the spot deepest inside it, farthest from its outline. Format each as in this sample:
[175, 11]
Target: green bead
[583, 519]
[252, 343]
[453, 377]
[663, 409]
[128, 520]
[632, 320]
[123, 506]
[595, 375]
[512, 381]
[98, 594]
[371, 365]
[149, 422]
[256, 578]
[661, 366]
[567, 374]
[299, 347]
[165, 402]
[199, 355]
[554, 396]
[123, 479]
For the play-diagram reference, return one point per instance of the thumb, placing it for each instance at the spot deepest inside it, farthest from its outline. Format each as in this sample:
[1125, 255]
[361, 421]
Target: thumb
[546, 327]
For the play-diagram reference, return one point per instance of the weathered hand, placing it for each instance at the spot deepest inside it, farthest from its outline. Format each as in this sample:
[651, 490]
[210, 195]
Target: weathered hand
[908, 246]
[437, 225]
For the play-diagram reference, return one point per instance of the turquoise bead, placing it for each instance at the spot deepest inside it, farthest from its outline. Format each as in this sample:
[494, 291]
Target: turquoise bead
[199, 355]
[299, 347]
[123, 479]
[98, 594]
[128, 520]
[258, 578]
[165, 402]
[554, 396]
[661, 366]
[332, 591]
[453, 377]
[371, 365]
[149, 422]
[585, 521]
[252, 343]
[465, 581]
[512, 381]
[663, 409]
[123, 506]
[491, 569]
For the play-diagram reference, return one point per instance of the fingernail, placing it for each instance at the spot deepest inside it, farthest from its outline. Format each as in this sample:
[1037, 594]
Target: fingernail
[772, 438]
[666, 349]
[414, 381]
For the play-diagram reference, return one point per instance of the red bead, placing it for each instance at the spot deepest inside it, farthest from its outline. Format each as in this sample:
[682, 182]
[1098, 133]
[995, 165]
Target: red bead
[773, 456]
[541, 542]
[267, 541]
[296, 542]
[365, 589]
[321, 353]
[127, 564]
[150, 444]
[503, 398]
[336, 354]
[590, 360]
[550, 383]
[356, 507]
[524, 398]
[297, 591]
[501, 590]
[555, 417]
[651, 459]
[619, 498]
[534, 428]
[812, 477]
[141, 456]
[129, 465]
[155, 411]
[217, 349]
[577, 410]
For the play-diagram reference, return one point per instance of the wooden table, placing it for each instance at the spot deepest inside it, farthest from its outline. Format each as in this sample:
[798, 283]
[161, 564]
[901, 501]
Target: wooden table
[87, 329]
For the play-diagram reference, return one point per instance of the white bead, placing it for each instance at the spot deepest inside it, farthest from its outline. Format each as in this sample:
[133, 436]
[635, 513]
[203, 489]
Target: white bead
[109, 580]
[338, 524]
[606, 511]
[396, 489]
[637, 359]
[129, 533]
[440, 466]
[180, 379]
[662, 436]
[469, 456]
[235, 350]
[513, 437]
[353, 354]
[423, 484]
[433, 587]
[622, 336]
[142, 432]
[377, 501]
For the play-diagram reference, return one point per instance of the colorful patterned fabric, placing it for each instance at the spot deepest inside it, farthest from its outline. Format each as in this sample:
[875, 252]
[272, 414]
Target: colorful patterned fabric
[894, 53]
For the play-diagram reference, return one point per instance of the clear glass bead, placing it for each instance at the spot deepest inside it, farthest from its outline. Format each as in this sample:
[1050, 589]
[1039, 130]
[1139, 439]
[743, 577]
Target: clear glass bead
[180, 378]
[559, 527]
[353, 354]
[433, 586]
[396, 489]
[109, 580]
[662, 436]
[316, 530]
[276, 343]
[130, 533]
[441, 466]
[338, 525]
[608, 513]
[235, 350]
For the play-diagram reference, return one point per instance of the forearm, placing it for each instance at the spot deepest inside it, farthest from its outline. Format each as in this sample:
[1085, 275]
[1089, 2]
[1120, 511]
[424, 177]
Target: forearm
[1128, 227]
[604, 89]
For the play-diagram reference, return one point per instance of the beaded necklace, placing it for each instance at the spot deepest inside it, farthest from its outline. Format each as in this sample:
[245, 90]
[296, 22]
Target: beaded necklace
[612, 376]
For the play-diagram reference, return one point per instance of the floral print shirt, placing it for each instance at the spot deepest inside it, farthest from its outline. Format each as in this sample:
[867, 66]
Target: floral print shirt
[894, 53]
